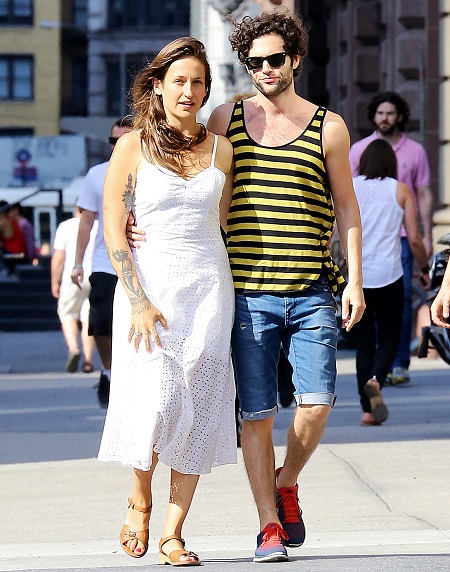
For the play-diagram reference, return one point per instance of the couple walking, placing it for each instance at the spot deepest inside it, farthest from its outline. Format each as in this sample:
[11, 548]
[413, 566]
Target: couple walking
[274, 170]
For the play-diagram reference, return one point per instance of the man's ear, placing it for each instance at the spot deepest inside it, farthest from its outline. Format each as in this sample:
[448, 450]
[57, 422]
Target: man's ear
[295, 61]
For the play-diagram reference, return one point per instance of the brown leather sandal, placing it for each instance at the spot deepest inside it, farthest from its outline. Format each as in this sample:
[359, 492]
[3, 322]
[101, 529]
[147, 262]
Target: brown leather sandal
[174, 557]
[127, 533]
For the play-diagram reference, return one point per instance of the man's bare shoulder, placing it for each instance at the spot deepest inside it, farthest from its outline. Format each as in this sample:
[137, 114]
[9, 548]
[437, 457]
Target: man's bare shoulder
[334, 119]
[335, 131]
[220, 118]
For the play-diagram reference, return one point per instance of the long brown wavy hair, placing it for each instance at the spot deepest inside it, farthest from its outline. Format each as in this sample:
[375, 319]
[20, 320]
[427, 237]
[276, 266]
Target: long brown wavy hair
[161, 143]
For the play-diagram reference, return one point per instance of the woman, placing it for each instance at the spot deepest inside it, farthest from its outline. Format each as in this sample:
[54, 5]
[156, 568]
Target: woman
[385, 204]
[172, 387]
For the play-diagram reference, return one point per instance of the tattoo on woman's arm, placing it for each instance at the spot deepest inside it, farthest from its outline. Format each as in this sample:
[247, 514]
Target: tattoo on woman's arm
[128, 195]
[138, 298]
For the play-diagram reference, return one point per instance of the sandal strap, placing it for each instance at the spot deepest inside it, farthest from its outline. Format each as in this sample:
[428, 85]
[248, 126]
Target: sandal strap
[173, 537]
[139, 508]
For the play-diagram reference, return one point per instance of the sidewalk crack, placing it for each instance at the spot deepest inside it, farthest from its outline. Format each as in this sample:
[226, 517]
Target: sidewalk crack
[358, 476]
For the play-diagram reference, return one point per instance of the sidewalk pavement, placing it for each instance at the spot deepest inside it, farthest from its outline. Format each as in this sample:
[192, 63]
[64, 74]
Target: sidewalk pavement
[382, 503]
[35, 352]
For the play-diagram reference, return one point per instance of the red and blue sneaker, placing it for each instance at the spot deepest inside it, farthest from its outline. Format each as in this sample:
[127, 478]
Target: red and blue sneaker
[290, 514]
[270, 544]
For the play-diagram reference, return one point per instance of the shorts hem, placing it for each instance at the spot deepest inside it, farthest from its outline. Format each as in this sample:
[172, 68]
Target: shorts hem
[259, 415]
[316, 399]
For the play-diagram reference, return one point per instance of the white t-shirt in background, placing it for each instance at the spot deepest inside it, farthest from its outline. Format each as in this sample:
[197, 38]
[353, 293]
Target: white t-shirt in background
[66, 239]
[91, 199]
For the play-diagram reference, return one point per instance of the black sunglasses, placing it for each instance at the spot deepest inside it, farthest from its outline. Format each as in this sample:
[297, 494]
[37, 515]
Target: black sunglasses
[274, 60]
[113, 140]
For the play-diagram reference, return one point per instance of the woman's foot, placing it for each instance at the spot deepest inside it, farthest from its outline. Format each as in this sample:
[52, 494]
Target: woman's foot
[377, 406]
[134, 533]
[172, 551]
[87, 367]
[368, 420]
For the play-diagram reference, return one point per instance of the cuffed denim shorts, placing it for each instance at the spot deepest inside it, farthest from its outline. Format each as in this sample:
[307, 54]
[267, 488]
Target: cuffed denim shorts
[304, 325]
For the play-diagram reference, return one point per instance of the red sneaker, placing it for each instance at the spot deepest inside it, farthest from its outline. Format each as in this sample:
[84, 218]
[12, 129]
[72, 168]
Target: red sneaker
[290, 514]
[270, 544]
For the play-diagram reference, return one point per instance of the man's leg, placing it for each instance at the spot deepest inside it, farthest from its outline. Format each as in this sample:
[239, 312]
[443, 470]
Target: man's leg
[256, 348]
[401, 362]
[303, 437]
[70, 331]
[310, 343]
[259, 458]
[103, 344]
[100, 326]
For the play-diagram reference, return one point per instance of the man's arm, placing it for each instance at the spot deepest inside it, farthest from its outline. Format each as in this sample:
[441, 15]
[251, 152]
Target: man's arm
[336, 148]
[425, 208]
[57, 266]
[84, 233]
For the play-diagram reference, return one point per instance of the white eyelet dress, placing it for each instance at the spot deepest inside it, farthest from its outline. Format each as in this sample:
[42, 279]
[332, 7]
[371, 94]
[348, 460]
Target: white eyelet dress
[179, 400]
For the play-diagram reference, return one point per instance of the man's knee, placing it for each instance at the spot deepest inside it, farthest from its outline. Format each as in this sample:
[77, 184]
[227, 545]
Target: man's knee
[314, 413]
[258, 427]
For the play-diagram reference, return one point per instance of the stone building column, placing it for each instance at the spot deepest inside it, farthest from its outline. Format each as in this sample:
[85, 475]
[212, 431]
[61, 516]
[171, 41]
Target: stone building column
[441, 218]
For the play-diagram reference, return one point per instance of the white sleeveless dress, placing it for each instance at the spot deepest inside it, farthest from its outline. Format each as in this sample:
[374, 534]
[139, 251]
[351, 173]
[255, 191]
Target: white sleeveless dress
[179, 400]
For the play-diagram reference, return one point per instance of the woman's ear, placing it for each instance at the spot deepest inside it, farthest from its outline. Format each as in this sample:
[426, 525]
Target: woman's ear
[157, 86]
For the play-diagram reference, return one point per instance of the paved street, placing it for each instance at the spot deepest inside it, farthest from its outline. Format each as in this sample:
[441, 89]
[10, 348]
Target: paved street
[373, 498]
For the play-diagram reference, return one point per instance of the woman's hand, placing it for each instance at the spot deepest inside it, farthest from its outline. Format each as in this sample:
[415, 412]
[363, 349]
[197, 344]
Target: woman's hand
[144, 317]
[134, 234]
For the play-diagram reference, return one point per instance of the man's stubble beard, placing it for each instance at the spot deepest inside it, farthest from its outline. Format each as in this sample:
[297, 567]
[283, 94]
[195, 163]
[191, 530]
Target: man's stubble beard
[389, 131]
[283, 84]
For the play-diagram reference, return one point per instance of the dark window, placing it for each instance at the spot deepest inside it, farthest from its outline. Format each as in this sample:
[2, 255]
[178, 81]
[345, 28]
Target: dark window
[16, 12]
[79, 13]
[16, 78]
[79, 84]
[118, 85]
[16, 131]
[148, 13]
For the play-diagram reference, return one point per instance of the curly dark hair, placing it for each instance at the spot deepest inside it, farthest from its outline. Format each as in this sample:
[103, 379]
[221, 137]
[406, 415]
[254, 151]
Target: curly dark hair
[289, 26]
[390, 97]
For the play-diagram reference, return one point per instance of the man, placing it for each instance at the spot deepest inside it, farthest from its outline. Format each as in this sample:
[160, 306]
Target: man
[389, 113]
[291, 166]
[103, 278]
[73, 300]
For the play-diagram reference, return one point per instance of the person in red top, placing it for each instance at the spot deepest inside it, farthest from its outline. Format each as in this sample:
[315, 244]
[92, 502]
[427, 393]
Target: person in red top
[12, 240]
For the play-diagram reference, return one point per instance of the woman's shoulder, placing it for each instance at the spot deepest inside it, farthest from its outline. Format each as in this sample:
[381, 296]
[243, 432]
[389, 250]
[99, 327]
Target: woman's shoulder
[128, 147]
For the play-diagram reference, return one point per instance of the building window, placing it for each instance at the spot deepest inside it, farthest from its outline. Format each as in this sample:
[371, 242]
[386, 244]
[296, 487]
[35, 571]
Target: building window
[148, 13]
[16, 131]
[16, 78]
[79, 13]
[118, 84]
[16, 12]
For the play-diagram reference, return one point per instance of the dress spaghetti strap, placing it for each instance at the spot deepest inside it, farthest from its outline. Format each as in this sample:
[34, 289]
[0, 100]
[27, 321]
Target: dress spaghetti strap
[213, 155]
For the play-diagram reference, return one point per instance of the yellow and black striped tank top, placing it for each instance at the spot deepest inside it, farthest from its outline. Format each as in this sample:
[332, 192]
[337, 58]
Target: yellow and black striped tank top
[281, 216]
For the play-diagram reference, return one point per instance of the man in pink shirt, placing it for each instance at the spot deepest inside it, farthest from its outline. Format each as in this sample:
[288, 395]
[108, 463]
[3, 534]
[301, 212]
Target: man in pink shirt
[389, 113]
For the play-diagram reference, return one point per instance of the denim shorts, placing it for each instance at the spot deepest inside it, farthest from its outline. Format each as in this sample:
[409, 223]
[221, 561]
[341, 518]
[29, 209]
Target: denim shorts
[304, 325]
